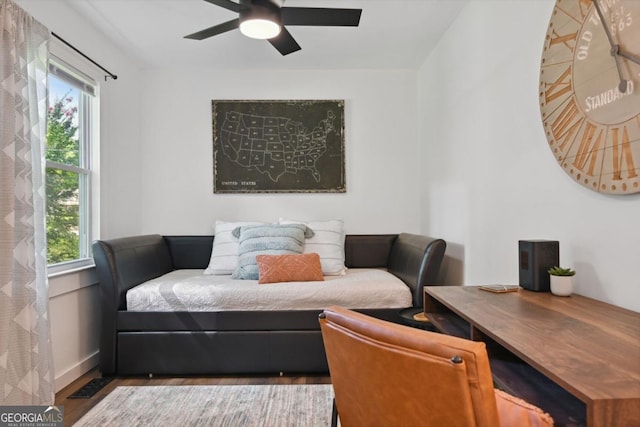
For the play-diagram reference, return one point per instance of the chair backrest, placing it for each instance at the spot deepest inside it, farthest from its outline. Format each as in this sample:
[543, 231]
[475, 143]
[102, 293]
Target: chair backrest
[393, 375]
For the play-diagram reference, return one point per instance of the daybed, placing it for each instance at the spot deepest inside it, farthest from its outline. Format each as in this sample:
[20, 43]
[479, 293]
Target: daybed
[232, 341]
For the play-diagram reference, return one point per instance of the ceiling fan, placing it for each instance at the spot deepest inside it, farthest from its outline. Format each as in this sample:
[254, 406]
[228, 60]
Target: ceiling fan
[266, 19]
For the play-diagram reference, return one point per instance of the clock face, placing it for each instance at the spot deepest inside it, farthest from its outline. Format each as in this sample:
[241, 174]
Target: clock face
[592, 126]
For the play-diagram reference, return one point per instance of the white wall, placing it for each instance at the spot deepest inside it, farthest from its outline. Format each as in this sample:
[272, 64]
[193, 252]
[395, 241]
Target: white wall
[74, 312]
[73, 297]
[166, 115]
[382, 170]
[484, 177]
[490, 178]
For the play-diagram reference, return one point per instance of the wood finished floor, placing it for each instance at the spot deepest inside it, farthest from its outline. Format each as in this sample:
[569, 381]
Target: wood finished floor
[74, 409]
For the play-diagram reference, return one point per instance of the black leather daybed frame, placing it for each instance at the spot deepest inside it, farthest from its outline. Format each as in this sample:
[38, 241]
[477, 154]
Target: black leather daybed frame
[231, 342]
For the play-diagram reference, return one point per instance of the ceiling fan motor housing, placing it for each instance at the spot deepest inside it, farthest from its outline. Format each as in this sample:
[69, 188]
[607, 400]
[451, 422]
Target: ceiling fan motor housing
[259, 9]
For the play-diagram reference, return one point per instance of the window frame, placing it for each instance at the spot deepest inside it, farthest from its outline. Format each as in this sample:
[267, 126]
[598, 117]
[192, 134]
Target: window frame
[66, 67]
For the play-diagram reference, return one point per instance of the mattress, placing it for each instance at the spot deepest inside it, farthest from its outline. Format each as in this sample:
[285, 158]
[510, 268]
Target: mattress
[191, 290]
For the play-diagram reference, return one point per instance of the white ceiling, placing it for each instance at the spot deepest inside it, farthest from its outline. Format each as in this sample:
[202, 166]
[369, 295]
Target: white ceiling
[392, 34]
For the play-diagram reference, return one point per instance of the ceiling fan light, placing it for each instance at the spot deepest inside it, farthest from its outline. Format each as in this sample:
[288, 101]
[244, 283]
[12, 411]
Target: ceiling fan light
[259, 28]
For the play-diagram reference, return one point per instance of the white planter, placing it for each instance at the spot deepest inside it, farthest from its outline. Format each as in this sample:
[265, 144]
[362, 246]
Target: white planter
[561, 285]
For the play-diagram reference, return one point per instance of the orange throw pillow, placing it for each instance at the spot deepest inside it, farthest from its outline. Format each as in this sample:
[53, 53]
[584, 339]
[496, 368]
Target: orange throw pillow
[289, 268]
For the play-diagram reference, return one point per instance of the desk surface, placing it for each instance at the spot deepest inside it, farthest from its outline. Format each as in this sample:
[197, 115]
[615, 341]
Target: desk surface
[590, 348]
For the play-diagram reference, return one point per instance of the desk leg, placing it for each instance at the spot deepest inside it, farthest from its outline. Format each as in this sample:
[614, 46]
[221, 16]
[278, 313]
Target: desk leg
[431, 305]
[444, 319]
[475, 334]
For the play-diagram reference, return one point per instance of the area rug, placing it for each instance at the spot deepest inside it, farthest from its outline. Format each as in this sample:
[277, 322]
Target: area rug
[214, 405]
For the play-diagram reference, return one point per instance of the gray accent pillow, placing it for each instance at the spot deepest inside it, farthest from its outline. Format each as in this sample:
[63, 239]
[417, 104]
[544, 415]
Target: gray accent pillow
[267, 239]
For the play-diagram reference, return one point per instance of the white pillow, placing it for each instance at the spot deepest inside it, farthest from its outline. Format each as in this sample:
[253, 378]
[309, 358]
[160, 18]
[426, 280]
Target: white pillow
[224, 255]
[327, 241]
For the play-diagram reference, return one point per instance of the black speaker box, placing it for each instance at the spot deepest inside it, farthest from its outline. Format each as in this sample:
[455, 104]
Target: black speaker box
[536, 257]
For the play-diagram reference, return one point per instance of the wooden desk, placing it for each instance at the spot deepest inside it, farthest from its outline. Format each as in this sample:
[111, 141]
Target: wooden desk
[575, 357]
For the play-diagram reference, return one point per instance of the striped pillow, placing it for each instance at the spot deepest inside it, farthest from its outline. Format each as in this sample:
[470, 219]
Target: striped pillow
[224, 254]
[327, 241]
[269, 239]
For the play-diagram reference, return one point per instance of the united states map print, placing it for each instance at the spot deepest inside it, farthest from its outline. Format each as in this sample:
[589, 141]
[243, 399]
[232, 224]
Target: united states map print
[278, 146]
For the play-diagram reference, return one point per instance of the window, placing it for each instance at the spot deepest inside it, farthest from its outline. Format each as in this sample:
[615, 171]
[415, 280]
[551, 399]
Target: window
[70, 129]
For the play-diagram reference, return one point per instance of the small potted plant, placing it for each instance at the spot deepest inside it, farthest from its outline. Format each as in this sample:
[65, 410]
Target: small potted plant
[561, 281]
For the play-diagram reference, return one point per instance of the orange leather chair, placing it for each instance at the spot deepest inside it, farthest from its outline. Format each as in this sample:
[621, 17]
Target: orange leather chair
[384, 374]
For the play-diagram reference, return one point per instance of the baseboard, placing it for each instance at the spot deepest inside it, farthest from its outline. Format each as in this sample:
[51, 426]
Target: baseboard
[82, 367]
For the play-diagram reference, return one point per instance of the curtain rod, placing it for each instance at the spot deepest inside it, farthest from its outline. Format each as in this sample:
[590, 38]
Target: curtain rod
[109, 74]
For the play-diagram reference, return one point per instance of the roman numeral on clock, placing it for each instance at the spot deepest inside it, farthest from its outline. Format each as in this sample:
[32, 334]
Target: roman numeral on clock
[566, 125]
[589, 149]
[559, 87]
[622, 155]
[569, 40]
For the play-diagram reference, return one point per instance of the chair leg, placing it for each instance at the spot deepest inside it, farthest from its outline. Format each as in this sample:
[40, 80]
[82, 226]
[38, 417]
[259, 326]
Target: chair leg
[334, 414]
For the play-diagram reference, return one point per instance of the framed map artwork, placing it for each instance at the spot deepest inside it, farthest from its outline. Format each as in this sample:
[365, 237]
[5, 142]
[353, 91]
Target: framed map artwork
[278, 146]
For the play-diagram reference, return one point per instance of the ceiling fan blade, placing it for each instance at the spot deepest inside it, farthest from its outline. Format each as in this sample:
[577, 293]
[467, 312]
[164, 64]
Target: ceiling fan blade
[215, 30]
[321, 16]
[285, 43]
[227, 4]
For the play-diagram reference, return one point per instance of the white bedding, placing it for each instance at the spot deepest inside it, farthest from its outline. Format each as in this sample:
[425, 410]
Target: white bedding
[191, 290]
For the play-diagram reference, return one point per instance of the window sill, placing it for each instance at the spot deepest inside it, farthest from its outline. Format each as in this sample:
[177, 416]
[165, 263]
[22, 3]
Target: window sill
[63, 269]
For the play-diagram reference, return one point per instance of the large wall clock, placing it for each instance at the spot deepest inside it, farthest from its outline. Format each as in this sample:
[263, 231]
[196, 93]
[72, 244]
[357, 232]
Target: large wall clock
[590, 92]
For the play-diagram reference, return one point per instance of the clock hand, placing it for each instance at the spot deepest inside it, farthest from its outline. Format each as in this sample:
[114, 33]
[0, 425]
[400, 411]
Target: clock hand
[615, 49]
[627, 55]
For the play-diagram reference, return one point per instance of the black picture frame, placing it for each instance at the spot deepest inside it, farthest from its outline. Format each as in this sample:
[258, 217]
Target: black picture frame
[278, 146]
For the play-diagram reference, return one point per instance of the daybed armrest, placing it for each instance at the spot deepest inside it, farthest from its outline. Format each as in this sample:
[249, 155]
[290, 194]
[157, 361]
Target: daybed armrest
[122, 264]
[416, 260]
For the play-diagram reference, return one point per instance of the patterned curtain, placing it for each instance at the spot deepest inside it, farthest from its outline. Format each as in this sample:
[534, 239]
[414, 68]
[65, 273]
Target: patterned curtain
[26, 360]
